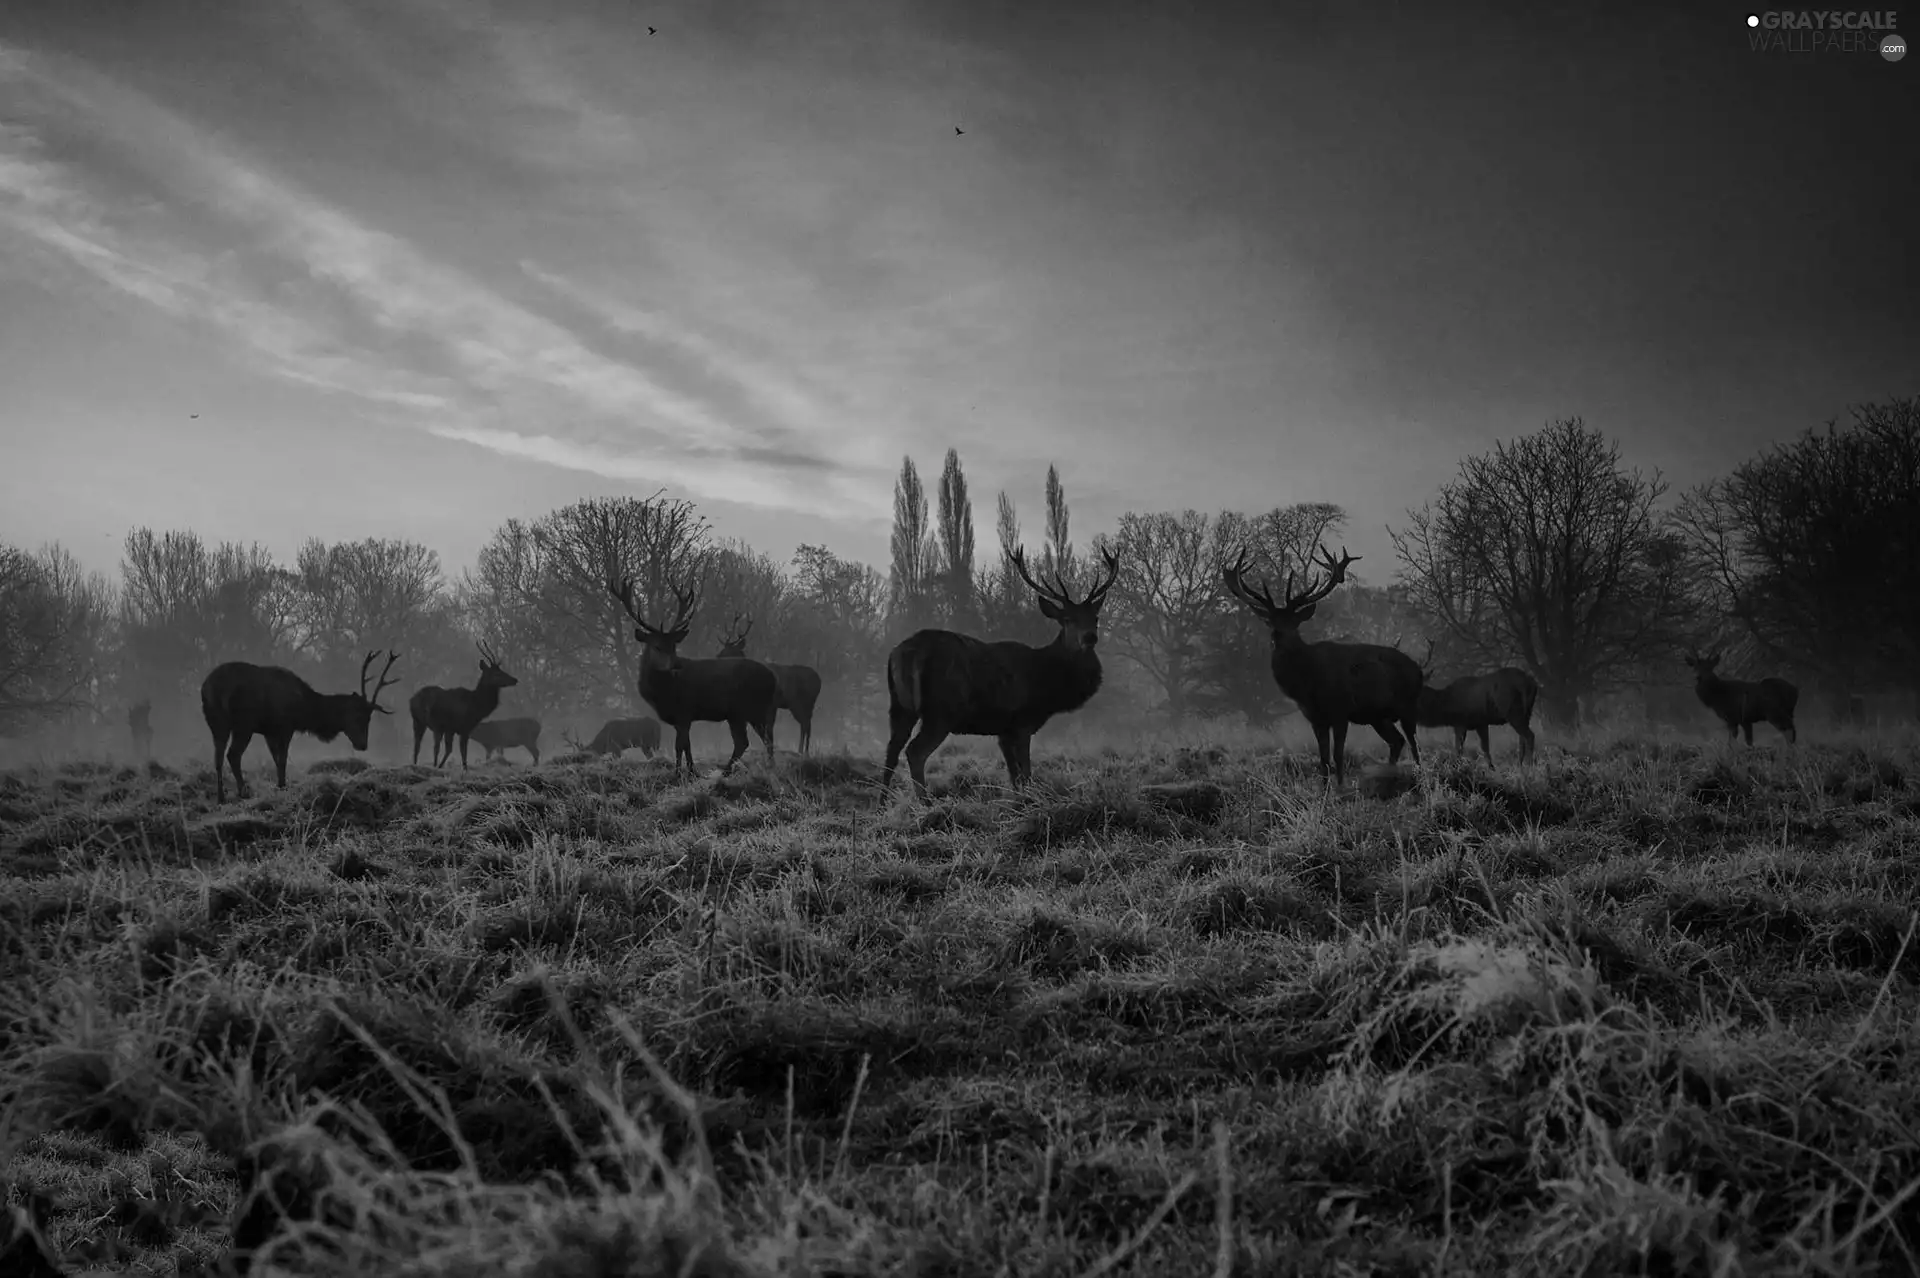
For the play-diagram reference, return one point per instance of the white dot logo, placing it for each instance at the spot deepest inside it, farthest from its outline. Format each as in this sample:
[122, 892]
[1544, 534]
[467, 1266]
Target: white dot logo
[1753, 19]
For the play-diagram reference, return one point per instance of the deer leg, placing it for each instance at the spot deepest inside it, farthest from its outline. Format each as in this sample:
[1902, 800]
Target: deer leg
[1340, 753]
[683, 745]
[1459, 740]
[900, 721]
[219, 772]
[1320, 733]
[1526, 741]
[1391, 735]
[463, 751]
[1748, 729]
[234, 751]
[1486, 741]
[1010, 751]
[923, 744]
[419, 731]
[277, 747]
[738, 727]
[1412, 730]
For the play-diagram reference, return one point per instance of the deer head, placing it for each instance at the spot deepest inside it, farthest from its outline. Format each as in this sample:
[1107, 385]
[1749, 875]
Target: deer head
[1079, 621]
[491, 675]
[1703, 666]
[660, 653]
[1285, 619]
[734, 642]
[360, 712]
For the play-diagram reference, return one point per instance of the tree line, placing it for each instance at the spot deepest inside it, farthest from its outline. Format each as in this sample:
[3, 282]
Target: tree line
[1548, 552]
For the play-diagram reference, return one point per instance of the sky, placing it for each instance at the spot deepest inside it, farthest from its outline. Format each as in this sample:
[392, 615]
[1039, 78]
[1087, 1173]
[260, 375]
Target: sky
[280, 269]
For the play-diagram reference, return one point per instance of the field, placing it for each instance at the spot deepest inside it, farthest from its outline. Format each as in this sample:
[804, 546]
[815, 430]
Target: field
[1641, 1007]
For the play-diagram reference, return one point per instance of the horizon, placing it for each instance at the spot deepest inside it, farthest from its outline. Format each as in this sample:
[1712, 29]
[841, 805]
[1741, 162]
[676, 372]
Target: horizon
[347, 270]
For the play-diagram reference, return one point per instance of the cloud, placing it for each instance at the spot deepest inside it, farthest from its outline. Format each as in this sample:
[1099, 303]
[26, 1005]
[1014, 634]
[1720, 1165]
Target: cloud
[324, 298]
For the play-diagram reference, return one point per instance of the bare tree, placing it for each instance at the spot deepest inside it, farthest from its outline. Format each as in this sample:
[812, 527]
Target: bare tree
[1814, 549]
[1548, 552]
[955, 532]
[184, 604]
[1056, 557]
[51, 621]
[652, 542]
[1167, 592]
[908, 578]
[353, 590]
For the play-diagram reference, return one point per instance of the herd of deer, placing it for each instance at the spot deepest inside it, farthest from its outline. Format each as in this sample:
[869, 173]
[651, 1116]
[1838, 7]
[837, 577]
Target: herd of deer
[942, 681]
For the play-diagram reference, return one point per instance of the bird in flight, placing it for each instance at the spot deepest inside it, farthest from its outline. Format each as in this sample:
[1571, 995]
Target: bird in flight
[957, 130]
[653, 30]
[194, 416]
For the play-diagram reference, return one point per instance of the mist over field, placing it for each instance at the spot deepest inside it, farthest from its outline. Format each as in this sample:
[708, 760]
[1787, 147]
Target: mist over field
[926, 638]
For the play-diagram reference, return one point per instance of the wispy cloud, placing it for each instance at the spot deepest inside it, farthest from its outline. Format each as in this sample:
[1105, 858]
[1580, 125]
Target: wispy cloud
[326, 299]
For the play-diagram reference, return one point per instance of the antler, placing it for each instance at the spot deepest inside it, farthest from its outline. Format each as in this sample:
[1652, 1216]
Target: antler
[486, 654]
[1057, 592]
[623, 591]
[1261, 601]
[374, 697]
[1336, 573]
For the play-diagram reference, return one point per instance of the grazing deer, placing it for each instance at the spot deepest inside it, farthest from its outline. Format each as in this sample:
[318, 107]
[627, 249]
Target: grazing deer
[684, 691]
[799, 686]
[953, 683]
[616, 735]
[1741, 704]
[240, 699]
[497, 736]
[454, 712]
[138, 719]
[1478, 702]
[1335, 684]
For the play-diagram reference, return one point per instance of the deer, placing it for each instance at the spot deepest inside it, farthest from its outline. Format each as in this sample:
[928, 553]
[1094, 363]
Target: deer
[1741, 704]
[240, 699]
[950, 683]
[1478, 702]
[497, 736]
[1334, 684]
[138, 719]
[683, 691]
[799, 686]
[616, 735]
[454, 712]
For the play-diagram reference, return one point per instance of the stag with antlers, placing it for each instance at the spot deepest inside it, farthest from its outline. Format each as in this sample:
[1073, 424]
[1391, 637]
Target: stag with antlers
[455, 712]
[1334, 684]
[952, 683]
[240, 699]
[1479, 702]
[799, 686]
[1741, 704]
[683, 691]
